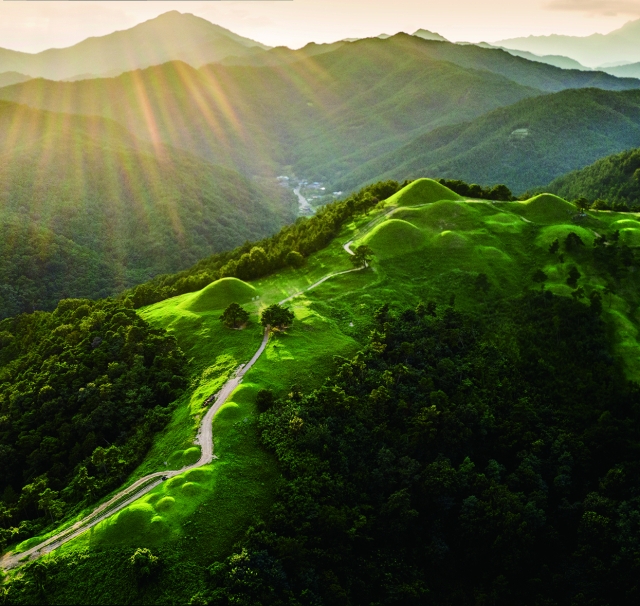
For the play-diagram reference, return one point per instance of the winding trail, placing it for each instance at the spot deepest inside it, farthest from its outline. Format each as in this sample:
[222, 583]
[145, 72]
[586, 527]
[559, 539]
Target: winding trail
[204, 439]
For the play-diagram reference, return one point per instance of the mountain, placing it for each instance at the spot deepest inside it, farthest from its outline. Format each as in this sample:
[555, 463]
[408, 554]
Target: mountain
[283, 54]
[555, 60]
[620, 45]
[322, 113]
[630, 70]
[614, 179]
[425, 34]
[356, 101]
[9, 78]
[87, 209]
[171, 36]
[524, 146]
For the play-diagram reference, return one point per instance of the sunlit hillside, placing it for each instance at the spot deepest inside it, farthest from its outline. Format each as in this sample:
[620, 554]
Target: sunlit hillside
[87, 209]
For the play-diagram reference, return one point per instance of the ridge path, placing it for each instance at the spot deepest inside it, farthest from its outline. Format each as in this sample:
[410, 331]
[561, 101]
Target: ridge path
[204, 439]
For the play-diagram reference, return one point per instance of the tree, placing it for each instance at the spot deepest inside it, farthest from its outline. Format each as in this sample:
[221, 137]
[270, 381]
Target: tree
[295, 259]
[555, 245]
[234, 316]
[50, 503]
[482, 283]
[596, 302]
[86, 482]
[574, 276]
[540, 277]
[582, 204]
[362, 256]
[264, 400]
[578, 293]
[276, 317]
[143, 562]
[573, 241]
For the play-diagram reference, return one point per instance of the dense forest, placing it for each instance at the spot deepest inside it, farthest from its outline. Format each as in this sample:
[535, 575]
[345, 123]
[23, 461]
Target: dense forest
[612, 183]
[458, 459]
[83, 389]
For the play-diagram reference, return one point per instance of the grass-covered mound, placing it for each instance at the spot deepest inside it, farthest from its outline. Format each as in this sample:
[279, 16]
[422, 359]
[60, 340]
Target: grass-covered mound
[394, 237]
[443, 215]
[547, 209]
[423, 191]
[220, 294]
[560, 232]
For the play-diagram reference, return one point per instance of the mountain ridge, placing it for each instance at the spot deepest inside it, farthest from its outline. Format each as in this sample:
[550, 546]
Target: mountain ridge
[174, 36]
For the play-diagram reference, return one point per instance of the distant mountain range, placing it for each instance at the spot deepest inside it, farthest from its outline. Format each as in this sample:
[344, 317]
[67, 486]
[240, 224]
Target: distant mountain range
[9, 78]
[324, 110]
[169, 37]
[148, 170]
[618, 46]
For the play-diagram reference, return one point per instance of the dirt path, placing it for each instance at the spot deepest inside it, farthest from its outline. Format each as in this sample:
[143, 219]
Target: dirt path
[204, 436]
[144, 485]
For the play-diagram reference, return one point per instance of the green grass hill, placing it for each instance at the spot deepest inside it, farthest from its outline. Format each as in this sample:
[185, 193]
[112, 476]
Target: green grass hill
[478, 256]
[394, 237]
[423, 191]
[548, 209]
[218, 295]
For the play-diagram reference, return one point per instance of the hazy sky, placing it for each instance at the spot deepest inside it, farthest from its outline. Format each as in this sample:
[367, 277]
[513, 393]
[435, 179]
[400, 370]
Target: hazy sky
[33, 26]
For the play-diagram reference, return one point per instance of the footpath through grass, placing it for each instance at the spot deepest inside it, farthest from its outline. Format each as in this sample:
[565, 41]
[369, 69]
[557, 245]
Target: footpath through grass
[469, 254]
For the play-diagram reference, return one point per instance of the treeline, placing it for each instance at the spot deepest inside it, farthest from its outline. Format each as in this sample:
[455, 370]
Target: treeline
[253, 260]
[83, 389]
[612, 183]
[497, 192]
[456, 460]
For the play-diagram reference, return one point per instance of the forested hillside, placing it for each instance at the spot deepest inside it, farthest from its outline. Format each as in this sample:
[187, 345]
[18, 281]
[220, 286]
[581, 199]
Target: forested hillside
[614, 181]
[524, 146]
[353, 103]
[83, 390]
[88, 210]
[456, 456]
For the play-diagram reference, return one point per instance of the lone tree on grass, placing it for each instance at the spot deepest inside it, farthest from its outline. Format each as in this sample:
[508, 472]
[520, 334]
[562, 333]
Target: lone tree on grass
[362, 256]
[582, 204]
[277, 317]
[234, 316]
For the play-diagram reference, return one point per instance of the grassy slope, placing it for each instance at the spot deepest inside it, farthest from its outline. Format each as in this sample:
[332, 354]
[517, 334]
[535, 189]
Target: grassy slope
[427, 249]
[566, 131]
